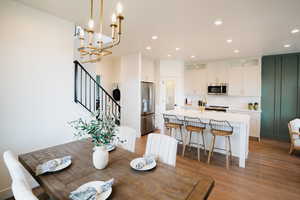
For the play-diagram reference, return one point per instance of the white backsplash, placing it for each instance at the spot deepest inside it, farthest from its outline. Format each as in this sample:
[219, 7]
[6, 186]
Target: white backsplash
[230, 101]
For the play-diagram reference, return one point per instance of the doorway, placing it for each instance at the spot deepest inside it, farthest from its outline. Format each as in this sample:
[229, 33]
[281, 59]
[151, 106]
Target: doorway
[170, 94]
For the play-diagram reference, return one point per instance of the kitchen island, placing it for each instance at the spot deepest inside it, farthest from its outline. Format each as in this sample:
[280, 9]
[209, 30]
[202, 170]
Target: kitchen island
[239, 138]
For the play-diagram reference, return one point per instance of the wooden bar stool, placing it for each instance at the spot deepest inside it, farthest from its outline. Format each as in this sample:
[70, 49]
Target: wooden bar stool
[172, 122]
[221, 128]
[195, 125]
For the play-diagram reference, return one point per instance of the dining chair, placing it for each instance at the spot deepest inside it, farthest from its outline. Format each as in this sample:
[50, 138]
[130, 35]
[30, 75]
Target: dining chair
[127, 135]
[163, 147]
[19, 173]
[22, 191]
[195, 125]
[172, 122]
[16, 169]
[294, 126]
[224, 129]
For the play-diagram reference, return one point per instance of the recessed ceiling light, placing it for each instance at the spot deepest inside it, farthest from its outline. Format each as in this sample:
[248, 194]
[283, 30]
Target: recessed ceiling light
[229, 40]
[154, 37]
[295, 31]
[148, 48]
[169, 55]
[236, 51]
[192, 56]
[218, 22]
[286, 45]
[177, 49]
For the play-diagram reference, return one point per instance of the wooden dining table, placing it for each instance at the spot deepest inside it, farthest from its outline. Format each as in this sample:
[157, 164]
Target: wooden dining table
[163, 182]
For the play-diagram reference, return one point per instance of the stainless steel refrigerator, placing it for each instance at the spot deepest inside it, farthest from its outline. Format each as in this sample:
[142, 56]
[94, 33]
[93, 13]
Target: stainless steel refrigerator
[147, 107]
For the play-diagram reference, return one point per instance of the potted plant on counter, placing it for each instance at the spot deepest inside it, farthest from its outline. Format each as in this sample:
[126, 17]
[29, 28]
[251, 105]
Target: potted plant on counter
[102, 130]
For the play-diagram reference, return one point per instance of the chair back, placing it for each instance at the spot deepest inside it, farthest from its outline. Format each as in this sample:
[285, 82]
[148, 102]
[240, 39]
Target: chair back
[163, 147]
[127, 135]
[17, 171]
[194, 121]
[172, 119]
[22, 191]
[220, 125]
[293, 127]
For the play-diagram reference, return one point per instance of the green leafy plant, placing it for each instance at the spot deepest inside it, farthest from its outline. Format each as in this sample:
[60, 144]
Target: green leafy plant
[101, 128]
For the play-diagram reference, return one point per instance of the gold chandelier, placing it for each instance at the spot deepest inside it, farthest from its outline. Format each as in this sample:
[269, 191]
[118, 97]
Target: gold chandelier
[93, 46]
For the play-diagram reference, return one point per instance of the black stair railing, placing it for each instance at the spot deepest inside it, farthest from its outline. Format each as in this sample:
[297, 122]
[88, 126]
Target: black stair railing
[91, 95]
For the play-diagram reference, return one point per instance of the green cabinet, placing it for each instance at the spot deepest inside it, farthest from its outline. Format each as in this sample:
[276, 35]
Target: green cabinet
[280, 94]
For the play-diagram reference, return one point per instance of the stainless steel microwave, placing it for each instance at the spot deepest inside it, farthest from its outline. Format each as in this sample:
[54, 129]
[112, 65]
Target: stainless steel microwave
[217, 89]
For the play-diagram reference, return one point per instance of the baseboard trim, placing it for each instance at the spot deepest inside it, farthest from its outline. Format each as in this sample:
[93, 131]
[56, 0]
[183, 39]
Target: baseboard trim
[254, 138]
[6, 193]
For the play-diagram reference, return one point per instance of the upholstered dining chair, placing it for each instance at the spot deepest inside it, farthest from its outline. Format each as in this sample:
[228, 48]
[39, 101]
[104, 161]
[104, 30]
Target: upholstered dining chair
[22, 191]
[163, 147]
[19, 174]
[294, 127]
[128, 137]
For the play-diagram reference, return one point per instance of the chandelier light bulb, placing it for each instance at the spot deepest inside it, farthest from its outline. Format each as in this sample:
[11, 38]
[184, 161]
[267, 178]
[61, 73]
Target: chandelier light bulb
[91, 24]
[119, 8]
[113, 18]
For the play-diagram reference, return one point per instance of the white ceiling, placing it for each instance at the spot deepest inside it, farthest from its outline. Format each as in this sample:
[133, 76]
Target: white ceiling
[257, 27]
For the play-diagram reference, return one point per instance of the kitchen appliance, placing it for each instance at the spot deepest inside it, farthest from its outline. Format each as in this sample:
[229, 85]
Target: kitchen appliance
[217, 89]
[217, 108]
[147, 107]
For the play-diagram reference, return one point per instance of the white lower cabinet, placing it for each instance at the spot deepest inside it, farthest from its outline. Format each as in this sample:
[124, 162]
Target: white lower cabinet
[254, 121]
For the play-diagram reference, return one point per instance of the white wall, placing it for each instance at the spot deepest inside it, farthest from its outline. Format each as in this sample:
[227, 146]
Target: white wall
[148, 69]
[109, 70]
[36, 81]
[130, 79]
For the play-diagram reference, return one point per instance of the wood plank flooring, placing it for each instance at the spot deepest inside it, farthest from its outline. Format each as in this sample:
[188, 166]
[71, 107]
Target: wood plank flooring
[270, 173]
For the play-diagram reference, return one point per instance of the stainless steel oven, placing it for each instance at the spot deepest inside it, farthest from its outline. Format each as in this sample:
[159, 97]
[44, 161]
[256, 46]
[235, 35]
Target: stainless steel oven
[217, 89]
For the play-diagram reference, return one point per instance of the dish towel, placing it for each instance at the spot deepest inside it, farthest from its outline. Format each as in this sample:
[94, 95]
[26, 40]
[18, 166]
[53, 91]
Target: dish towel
[51, 165]
[90, 193]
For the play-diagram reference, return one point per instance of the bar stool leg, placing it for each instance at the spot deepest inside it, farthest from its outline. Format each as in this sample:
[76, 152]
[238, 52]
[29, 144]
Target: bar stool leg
[227, 152]
[198, 146]
[230, 148]
[203, 142]
[181, 134]
[211, 148]
[183, 146]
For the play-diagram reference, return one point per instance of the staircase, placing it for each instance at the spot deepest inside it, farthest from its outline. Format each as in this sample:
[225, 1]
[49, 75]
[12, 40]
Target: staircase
[90, 94]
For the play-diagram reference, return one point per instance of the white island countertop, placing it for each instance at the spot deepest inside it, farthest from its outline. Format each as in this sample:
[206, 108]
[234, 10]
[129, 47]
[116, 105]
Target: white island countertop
[207, 115]
[240, 136]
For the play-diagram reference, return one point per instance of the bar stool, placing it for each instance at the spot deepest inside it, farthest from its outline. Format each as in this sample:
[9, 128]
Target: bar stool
[172, 122]
[221, 128]
[195, 125]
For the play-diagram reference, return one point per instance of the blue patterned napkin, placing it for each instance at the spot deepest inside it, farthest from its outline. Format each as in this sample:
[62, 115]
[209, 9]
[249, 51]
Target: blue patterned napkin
[147, 160]
[51, 165]
[90, 193]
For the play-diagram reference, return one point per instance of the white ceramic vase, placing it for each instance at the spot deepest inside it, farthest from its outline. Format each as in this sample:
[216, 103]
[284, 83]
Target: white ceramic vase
[100, 157]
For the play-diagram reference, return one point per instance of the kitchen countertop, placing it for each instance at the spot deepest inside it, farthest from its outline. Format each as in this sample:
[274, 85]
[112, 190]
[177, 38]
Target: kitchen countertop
[207, 115]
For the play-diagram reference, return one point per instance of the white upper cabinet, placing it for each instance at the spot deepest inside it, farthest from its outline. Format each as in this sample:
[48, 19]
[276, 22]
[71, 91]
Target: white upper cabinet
[244, 78]
[252, 80]
[217, 72]
[236, 81]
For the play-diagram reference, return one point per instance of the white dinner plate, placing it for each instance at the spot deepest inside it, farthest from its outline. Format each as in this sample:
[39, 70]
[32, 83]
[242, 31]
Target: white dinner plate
[134, 162]
[110, 147]
[62, 166]
[97, 186]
